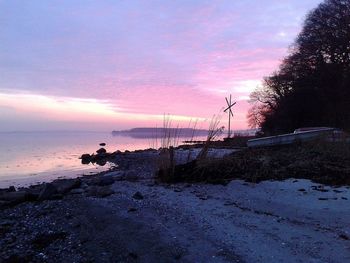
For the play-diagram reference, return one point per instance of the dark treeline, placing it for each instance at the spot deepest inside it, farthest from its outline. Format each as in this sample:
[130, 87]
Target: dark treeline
[312, 84]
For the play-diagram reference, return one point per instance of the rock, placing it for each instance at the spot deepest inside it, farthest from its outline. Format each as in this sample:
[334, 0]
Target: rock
[99, 191]
[7, 222]
[137, 196]
[102, 144]
[77, 191]
[47, 192]
[42, 240]
[343, 236]
[85, 158]
[5, 228]
[4, 204]
[14, 198]
[106, 180]
[84, 185]
[133, 255]
[19, 258]
[103, 180]
[33, 192]
[131, 176]
[65, 185]
[32, 195]
[104, 191]
[337, 191]
[117, 175]
[101, 151]
[12, 189]
[101, 162]
[132, 209]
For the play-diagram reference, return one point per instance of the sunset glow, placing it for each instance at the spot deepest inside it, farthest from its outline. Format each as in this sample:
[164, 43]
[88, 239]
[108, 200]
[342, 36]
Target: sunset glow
[77, 65]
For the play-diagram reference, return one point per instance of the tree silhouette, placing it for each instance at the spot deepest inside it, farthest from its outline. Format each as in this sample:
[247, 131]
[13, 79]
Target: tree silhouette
[312, 85]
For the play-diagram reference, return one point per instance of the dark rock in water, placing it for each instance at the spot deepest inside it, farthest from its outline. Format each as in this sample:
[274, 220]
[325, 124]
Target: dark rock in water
[48, 192]
[137, 196]
[101, 162]
[102, 144]
[101, 150]
[65, 185]
[85, 158]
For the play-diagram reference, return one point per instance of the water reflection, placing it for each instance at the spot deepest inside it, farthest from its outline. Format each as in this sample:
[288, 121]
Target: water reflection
[29, 157]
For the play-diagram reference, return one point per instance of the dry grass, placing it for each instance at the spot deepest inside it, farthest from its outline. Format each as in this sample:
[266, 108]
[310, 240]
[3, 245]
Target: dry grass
[169, 140]
[214, 132]
[322, 162]
[167, 168]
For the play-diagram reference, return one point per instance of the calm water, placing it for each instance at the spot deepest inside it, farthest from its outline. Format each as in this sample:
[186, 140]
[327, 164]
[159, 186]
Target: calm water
[32, 157]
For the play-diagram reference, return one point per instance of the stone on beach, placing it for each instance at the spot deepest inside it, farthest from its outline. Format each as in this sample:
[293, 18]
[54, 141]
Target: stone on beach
[14, 197]
[65, 185]
[137, 196]
[99, 191]
[77, 191]
[47, 192]
[102, 180]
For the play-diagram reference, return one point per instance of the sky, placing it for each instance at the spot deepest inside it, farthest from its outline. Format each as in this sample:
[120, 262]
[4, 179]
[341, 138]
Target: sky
[109, 65]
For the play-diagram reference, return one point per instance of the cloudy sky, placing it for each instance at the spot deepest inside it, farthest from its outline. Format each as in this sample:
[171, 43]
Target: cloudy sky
[102, 65]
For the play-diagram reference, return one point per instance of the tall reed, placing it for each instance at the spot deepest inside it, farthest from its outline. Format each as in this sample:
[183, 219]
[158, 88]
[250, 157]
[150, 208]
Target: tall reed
[214, 132]
[169, 139]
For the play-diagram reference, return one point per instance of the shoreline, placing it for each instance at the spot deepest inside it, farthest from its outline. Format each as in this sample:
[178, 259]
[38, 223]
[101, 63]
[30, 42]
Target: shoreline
[125, 216]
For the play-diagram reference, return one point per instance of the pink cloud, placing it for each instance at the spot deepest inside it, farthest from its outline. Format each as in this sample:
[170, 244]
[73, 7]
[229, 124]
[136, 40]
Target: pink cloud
[146, 58]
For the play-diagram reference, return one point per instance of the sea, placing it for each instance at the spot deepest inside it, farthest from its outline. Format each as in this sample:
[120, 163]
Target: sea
[34, 157]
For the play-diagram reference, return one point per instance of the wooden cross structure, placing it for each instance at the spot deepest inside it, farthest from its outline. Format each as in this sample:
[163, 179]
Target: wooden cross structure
[229, 110]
